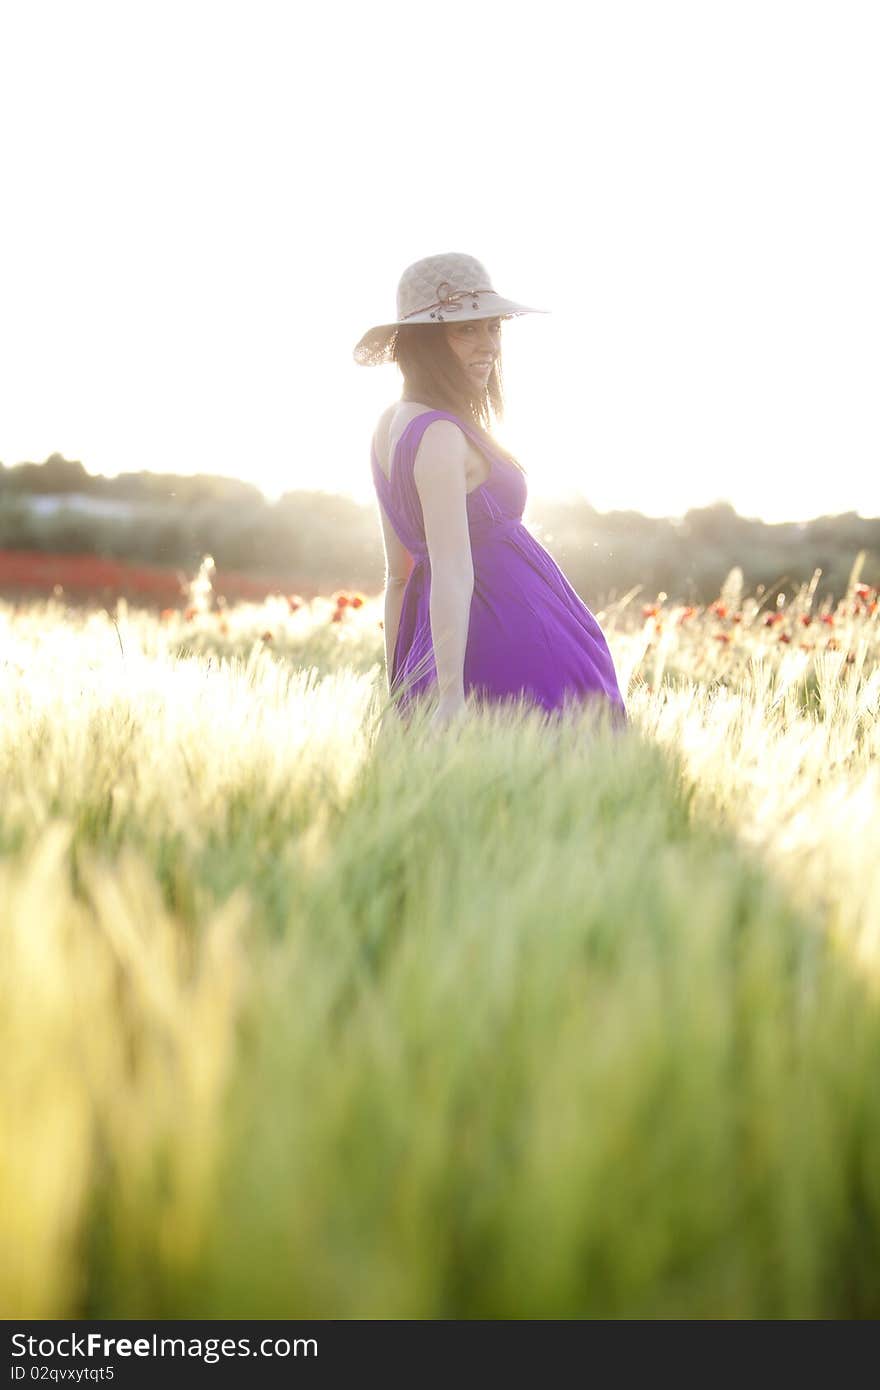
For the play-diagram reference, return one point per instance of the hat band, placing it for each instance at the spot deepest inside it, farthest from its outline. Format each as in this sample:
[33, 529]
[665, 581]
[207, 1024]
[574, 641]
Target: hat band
[451, 302]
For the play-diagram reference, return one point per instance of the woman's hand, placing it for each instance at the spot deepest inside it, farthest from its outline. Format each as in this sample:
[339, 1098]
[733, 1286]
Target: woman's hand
[448, 711]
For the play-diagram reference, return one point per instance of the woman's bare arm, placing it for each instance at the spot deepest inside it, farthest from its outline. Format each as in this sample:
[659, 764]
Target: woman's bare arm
[440, 477]
[394, 591]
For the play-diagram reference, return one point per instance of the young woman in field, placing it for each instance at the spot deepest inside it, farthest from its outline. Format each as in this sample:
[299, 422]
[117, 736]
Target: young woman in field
[475, 607]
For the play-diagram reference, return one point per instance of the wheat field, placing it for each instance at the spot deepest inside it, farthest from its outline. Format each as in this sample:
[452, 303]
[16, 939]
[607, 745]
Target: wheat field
[307, 1014]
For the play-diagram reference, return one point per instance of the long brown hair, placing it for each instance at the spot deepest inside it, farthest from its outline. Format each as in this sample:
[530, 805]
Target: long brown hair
[433, 374]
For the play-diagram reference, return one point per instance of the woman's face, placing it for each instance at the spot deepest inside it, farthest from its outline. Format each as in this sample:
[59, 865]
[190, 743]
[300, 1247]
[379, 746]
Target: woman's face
[476, 343]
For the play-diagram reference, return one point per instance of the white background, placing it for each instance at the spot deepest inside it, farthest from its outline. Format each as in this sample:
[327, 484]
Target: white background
[204, 205]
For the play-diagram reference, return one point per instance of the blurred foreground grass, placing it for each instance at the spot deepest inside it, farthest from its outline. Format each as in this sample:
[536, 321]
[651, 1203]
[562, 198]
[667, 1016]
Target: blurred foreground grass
[306, 1015]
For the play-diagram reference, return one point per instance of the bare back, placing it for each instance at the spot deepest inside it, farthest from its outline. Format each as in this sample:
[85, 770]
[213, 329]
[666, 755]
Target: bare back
[394, 421]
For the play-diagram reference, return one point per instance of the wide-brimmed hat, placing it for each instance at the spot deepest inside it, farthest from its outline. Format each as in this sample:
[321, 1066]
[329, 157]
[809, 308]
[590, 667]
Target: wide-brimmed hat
[451, 286]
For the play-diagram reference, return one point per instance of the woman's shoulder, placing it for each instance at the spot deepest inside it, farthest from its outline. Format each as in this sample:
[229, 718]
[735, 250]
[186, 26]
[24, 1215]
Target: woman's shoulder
[401, 412]
[390, 426]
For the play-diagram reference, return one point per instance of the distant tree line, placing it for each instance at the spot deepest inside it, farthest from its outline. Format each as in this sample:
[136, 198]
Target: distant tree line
[60, 477]
[324, 541]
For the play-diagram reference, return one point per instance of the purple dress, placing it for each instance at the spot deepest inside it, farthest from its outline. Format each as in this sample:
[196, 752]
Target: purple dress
[529, 632]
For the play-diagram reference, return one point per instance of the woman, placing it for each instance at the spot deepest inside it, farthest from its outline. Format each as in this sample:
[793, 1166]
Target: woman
[474, 605]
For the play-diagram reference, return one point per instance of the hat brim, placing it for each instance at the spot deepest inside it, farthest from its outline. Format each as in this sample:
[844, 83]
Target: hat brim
[376, 344]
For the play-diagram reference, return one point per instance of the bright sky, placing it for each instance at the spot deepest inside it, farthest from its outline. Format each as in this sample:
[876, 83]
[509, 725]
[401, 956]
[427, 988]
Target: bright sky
[203, 205]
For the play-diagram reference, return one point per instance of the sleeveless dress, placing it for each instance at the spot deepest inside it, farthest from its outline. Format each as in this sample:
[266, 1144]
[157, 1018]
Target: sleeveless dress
[529, 632]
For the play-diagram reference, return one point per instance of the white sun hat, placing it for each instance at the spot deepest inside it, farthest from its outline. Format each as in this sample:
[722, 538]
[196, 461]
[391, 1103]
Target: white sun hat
[449, 286]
